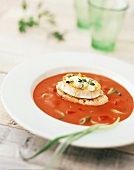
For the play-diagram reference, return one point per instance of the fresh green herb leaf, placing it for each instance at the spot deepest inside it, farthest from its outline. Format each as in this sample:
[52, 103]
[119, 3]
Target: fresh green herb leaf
[69, 139]
[113, 90]
[125, 109]
[84, 80]
[82, 85]
[61, 148]
[91, 83]
[24, 24]
[24, 5]
[48, 16]
[50, 144]
[40, 4]
[84, 120]
[59, 36]
[70, 75]
[61, 118]
[79, 80]
[31, 21]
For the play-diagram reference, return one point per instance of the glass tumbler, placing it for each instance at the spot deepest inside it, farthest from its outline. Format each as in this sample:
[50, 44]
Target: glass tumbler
[106, 19]
[82, 13]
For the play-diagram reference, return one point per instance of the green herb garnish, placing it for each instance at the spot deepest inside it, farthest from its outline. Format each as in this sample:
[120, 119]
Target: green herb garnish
[84, 80]
[116, 111]
[39, 5]
[91, 83]
[24, 5]
[39, 15]
[59, 36]
[113, 90]
[79, 80]
[70, 75]
[61, 118]
[68, 139]
[82, 85]
[84, 120]
[125, 109]
[24, 24]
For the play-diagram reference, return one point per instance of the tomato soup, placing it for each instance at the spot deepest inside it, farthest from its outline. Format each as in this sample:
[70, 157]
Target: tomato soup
[119, 104]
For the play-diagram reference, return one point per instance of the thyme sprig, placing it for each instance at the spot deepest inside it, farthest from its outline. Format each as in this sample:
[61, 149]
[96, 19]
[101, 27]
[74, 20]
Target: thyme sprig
[40, 16]
[68, 139]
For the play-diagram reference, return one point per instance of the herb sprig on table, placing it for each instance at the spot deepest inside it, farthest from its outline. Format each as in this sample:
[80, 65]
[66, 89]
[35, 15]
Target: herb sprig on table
[40, 16]
[68, 139]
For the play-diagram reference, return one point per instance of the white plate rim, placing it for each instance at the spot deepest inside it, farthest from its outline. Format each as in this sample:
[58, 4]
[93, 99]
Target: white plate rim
[36, 124]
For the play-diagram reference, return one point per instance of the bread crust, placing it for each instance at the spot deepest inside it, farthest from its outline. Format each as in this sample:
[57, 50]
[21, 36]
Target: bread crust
[95, 102]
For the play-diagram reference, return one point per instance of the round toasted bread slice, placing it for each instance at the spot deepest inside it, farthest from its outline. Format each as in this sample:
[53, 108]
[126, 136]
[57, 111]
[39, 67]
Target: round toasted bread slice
[95, 102]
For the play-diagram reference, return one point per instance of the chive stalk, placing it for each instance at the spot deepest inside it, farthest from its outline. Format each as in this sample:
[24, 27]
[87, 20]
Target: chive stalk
[84, 120]
[46, 94]
[91, 83]
[113, 90]
[61, 113]
[116, 111]
[69, 139]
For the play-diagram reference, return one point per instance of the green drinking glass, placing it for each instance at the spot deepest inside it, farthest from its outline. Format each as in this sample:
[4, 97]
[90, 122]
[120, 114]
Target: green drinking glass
[82, 13]
[106, 19]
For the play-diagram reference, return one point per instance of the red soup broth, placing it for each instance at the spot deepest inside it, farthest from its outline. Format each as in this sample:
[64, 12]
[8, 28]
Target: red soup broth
[46, 98]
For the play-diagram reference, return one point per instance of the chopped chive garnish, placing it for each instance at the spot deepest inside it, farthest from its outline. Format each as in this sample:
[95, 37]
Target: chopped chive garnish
[61, 113]
[84, 80]
[91, 83]
[69, 139]
[79, 80]
[117, 111]
[84, 120]
[93, 122]
[60, 118]
[113, 90]
[46, 94]
[82, 85]
[125, 109]
[70, 75]
[24, 5]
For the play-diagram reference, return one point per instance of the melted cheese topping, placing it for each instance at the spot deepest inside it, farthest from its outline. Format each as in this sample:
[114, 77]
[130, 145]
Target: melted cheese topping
[81, 82]
[80, 86]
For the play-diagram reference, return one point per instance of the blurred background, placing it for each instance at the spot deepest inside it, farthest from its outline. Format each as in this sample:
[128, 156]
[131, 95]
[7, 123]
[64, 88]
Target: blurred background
[63, 34]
